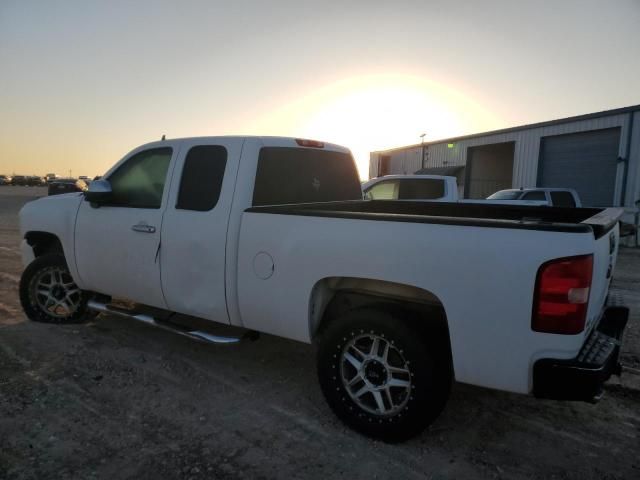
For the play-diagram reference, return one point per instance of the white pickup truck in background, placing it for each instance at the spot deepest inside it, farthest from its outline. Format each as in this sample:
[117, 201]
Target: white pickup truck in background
[440, 188]
[434, 188]
[554, 197]
[272, 235]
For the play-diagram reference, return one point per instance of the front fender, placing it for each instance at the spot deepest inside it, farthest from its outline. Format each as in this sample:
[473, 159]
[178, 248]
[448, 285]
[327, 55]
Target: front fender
[55, 215]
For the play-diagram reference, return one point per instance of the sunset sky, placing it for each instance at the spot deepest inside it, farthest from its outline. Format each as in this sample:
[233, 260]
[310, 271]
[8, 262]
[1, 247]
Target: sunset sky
[83, 82]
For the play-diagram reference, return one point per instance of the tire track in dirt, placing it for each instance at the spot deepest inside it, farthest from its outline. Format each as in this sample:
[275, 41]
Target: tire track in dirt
[9, 277]
[12, 312]
[10, 352]
[62, 388]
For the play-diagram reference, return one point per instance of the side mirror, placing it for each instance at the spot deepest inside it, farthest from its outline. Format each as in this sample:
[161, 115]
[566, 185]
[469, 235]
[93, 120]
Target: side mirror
[99, 192]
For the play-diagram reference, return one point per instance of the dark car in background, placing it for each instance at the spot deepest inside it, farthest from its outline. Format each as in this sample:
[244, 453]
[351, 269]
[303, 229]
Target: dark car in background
[20, 180]
[28, 181]
[5, 180]
[36, 181]
[67, 185]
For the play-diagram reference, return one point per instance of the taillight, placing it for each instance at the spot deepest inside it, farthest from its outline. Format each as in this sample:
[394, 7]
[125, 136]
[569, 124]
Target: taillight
[561, 296]
[303, 142]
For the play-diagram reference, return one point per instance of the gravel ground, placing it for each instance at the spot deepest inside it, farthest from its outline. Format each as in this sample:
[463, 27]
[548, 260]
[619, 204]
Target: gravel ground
[113, 399]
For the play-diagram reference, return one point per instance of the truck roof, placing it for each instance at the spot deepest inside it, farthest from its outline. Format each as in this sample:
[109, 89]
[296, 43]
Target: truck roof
[268, 141]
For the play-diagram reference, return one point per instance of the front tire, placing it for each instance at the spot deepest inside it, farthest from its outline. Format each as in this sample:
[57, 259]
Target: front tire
[380, 376]
[48, 293]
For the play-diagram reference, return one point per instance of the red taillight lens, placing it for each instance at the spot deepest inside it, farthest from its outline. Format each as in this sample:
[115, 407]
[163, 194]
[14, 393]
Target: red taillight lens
[562, 295]
[303, 142]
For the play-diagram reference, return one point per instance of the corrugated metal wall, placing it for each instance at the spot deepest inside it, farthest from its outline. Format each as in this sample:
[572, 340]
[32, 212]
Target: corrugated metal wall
[527, 149]
[403, 162]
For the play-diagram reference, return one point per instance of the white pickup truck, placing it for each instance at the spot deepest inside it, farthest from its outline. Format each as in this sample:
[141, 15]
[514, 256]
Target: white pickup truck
[433, 188]
[440, 188]
[554, 197]
[401, 298]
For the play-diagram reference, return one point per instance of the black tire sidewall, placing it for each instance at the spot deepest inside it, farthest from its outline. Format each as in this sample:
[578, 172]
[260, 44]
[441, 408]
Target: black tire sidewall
[430, 374]
[29, 304]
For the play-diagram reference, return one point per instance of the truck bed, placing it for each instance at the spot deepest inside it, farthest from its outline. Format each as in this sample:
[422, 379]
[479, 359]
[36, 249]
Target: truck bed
[577, 220]
[479, 261]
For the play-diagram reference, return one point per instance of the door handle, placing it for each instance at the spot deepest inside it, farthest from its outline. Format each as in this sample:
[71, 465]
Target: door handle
[141, 227]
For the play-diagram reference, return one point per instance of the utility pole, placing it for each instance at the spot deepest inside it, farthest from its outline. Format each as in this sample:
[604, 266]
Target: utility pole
[422, 146]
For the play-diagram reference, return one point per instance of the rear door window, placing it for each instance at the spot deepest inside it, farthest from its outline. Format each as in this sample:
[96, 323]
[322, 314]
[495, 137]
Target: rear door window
[562, 199]
[421, 189]
[536, 195]
[202, 177]
[304, 175]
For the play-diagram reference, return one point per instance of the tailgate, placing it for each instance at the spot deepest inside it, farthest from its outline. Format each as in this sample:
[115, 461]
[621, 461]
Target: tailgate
[604, 221]
[607, 236]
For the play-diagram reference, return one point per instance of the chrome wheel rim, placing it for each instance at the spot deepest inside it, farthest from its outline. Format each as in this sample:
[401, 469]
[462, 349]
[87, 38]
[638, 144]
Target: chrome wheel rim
[56, 293]
[376, 375]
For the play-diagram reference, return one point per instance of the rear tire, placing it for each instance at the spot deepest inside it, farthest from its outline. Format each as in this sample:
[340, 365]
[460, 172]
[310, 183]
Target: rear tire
[381, 377]
[48, 293]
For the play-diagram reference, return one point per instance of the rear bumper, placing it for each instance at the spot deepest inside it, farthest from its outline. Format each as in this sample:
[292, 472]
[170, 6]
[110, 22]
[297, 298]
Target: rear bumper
[582, 378]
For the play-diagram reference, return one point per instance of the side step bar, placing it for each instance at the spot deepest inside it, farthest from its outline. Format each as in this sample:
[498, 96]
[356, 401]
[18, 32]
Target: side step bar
[197, 335]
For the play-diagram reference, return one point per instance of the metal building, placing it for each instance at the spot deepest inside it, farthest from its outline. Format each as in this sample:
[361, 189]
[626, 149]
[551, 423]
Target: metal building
[597, 154]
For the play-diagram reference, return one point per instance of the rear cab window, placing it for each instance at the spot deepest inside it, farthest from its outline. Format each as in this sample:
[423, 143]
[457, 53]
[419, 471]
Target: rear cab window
[287, 175]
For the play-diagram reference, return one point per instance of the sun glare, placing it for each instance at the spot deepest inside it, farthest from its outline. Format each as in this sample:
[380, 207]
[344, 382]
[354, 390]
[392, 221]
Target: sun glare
[376, 112]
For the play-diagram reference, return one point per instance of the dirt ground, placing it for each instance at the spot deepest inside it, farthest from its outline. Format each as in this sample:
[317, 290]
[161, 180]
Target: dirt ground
[114, 399]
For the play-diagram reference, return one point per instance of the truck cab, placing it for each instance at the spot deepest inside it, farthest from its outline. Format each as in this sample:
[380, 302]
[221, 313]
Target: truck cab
[176, 204]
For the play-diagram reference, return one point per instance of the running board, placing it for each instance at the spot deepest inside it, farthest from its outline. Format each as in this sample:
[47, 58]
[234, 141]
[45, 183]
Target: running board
[197, 335]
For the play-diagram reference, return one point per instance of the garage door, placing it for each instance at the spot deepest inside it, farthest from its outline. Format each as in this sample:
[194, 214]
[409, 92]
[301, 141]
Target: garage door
[586, 162]
[489, 169]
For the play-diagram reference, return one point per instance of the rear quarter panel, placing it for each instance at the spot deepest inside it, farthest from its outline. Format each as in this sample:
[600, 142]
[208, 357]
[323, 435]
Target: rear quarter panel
[484, 278]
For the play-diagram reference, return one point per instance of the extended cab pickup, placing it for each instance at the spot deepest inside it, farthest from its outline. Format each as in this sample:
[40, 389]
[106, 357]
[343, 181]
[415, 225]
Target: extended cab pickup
[271, 235]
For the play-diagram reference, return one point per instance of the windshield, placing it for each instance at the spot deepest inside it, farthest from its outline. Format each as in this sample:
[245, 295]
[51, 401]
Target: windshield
[505, 195]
